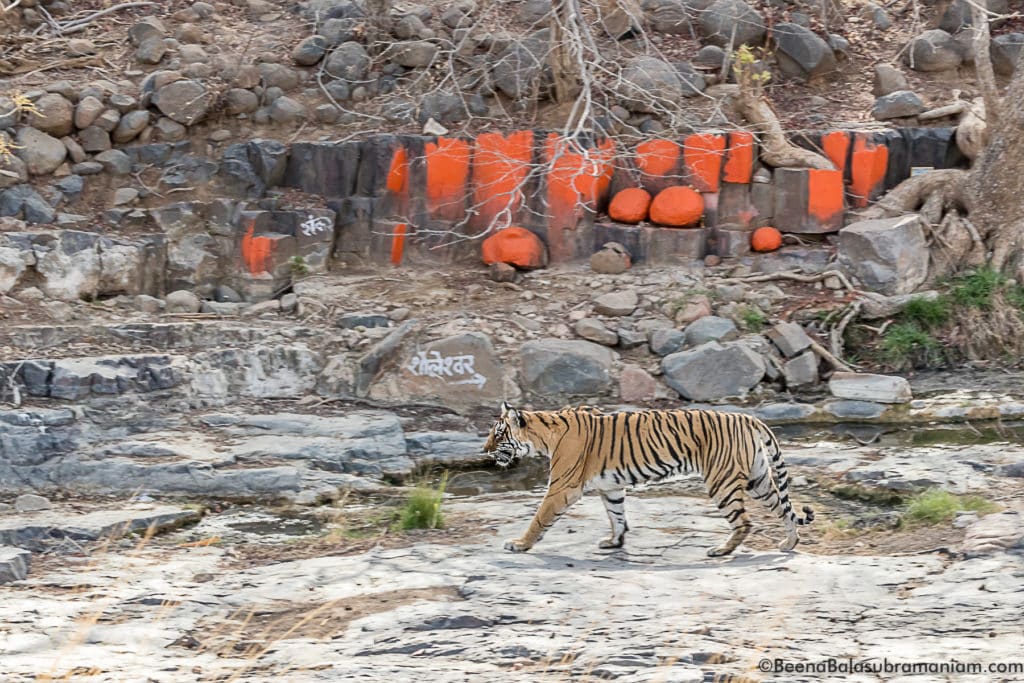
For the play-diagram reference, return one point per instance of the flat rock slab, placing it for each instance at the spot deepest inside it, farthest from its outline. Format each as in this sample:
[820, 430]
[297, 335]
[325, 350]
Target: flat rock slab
[32, 530]
[468, 610]
[866, 387]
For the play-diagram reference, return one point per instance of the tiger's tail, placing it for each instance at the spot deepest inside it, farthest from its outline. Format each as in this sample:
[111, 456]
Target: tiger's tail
[778, 465]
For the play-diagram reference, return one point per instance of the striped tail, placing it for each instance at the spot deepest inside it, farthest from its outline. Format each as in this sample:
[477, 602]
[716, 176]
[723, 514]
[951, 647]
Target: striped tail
[782, 481]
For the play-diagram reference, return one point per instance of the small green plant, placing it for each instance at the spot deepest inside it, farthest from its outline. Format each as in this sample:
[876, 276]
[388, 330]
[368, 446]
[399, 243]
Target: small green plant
[298, 266]
[422, 509]
[752, 319]
[907, 345]
[936, 506]
[977, 289]
[928, 314]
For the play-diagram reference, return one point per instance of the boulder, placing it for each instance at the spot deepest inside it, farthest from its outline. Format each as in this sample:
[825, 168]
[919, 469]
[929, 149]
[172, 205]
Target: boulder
[554, 367]
[594, 330]
[617, 303]
[310, 51]
[412, 54]
[710, 328]
[30, 502]
[182, 301]
[802, 370]
[895, 105]
[519, 68]
[958, 13]
[14, 564]
[934, 50]
[349, 61]
[666, 340]
[887, 255]
[800, 52]
[459, 370]
[516, 246]
[635, 384]
[56, 115]
[888, 79]
[41, 153]
[789, 338]
[612, 259]
[721, 18]
[183, 101]
[713, 371]
[866, 387]
[1005, 51]
[648, 83]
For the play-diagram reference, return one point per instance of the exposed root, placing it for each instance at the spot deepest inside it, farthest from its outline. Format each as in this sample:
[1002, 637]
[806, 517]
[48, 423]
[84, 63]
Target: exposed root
[912, 193]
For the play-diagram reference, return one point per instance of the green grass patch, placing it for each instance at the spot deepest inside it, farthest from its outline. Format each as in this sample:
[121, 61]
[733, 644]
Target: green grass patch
[422, 508]
[752, 319]
[907, 345]
[936, 506]
[928, 313]
[977, 289]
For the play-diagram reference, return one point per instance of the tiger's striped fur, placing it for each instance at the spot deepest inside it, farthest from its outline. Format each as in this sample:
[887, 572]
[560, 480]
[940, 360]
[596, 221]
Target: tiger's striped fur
[589, 450]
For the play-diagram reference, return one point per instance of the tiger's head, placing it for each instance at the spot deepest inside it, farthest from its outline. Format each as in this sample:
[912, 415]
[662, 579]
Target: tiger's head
[508, 441]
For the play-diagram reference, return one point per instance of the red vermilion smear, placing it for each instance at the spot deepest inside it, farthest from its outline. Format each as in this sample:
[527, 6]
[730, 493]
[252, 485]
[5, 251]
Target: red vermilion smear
[739, 158]
[702, 155]
[257, 252]
[500, 165]
[836, 144]
[576, 181]
[657, 157]
[868, 165]
[824, 194]
[398, 173]
[398, 244]
[447, 175]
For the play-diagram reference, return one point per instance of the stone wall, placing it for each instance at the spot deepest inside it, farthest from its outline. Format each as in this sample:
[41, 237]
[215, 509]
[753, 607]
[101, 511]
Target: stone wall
[411, 199]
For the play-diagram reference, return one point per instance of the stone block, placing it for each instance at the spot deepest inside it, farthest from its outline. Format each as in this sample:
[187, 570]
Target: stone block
[326, 169]
[646, 245]
[808, 201]
[731, 243]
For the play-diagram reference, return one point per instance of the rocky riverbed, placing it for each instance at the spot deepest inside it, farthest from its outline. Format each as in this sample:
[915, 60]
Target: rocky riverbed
[330, 593]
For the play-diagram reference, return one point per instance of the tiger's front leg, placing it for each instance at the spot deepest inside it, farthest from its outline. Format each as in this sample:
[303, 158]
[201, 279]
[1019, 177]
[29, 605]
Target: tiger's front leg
[551, 508]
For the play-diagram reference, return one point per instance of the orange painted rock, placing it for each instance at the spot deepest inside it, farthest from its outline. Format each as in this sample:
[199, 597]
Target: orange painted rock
[517, 246]
[630, 205]
[677, 207]
[766, 239]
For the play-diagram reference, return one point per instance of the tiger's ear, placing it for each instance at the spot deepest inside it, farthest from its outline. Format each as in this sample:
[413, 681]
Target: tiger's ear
[506, 409]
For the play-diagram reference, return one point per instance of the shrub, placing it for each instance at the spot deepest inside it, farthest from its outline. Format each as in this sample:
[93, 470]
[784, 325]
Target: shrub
[422, 509]
[935, 506]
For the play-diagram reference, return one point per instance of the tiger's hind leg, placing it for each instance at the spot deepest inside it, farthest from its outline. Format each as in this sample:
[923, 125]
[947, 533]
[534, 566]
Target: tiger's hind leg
[762, 487]
[614, 505]
[729, 499]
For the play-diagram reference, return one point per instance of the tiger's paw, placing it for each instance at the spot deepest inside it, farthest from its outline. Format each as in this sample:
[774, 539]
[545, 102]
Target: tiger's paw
[516, 545]
[789, 543]
[719, 551]
[609, 543]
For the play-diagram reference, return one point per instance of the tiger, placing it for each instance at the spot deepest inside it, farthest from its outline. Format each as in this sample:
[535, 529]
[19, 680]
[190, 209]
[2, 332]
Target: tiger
[736, 454]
